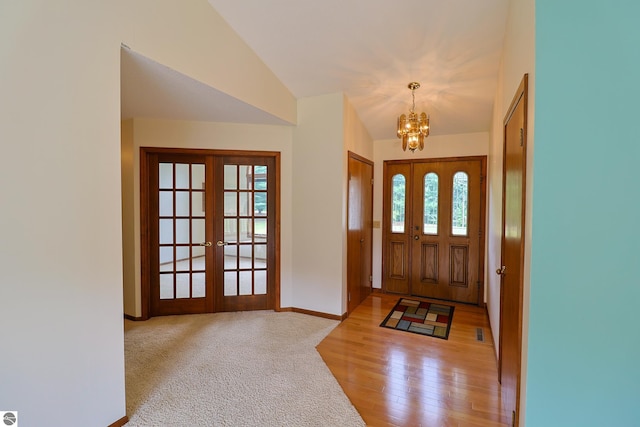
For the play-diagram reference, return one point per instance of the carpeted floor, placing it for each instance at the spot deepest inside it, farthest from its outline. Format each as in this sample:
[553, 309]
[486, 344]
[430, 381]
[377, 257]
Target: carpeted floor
[232, 369]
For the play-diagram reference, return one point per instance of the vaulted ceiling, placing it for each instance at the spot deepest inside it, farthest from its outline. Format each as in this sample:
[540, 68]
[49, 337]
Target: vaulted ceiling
[368, 49]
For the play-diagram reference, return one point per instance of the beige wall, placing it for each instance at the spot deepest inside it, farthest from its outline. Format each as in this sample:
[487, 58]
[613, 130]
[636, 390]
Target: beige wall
[318, 199]
[470, 144]
[518, 58]
[61, 262]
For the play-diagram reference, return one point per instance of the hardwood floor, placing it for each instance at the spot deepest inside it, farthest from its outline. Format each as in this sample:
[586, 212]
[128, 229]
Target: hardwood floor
[396, 378]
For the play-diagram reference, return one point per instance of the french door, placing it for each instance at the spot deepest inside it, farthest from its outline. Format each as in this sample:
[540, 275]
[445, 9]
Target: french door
[433, 239]
[211, 234]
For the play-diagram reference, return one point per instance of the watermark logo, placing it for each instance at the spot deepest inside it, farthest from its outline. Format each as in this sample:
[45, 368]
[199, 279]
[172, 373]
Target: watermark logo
[9, 418]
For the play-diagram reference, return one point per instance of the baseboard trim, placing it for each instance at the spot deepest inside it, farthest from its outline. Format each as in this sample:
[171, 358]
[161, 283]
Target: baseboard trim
[135, 319]
[122, 421]
[495, 350]
[314, 313]
[377, 291]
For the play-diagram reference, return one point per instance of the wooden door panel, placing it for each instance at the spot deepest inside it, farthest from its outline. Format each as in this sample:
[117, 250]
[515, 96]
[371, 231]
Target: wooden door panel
[398, 260]
[359, 230]
[513, 251]
[459, 266]
[429, 263]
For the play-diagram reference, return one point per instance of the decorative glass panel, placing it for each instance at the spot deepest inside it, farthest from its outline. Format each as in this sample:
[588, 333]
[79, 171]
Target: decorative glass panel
[165, 202]
[260, 282]
[182, 175]
[260, 177]
[197, 177]
[230, 177]
[245, 203]
[246, 285]
[166, 258]
[246, 179]
[166, 231]
[182, 231]
[260, 227]
[182, 285]
[245, 229]
[198, 285]
[230, 230]
[398, 188]
[197, 203]
[430, 220]
[230, 283]
[230, 203]
[182, 203]
[165, 175]
[460, 211]
[166, 286]
[230, 257]
[197, 231]
[260, 207]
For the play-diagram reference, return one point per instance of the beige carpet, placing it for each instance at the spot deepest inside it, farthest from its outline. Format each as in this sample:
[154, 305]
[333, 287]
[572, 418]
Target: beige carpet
[232, 369]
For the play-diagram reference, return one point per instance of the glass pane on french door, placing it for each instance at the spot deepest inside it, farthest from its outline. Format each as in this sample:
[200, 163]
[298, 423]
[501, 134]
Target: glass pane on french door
[245, 230]
[181, 243]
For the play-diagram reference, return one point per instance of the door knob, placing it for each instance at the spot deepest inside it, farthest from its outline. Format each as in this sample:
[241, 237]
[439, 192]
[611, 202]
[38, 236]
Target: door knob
[501, 270]
[207, 244]
[416, 237]
[221, 243]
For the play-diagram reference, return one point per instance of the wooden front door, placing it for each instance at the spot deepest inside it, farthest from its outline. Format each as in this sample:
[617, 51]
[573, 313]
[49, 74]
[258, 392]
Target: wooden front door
[359, 230]
[434, 228]
[512, 269]
[209, 237]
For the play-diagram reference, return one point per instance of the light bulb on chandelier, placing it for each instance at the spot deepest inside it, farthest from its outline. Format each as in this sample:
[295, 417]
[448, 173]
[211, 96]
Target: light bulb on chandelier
[413, 129]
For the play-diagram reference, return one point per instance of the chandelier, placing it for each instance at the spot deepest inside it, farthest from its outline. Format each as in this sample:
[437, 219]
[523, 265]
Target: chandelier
[413, 129]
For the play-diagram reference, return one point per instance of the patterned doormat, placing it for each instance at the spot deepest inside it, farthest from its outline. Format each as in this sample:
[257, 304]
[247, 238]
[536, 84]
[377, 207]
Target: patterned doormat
[420, 317]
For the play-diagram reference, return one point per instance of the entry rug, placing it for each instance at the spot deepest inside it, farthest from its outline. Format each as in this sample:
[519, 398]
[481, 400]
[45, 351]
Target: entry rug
[420, 317]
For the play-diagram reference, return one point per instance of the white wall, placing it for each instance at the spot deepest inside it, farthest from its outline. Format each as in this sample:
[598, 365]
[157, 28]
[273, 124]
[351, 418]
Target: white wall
[318, 168]
[61, 321]
[518, 58]
[189, 134]
[470, 144]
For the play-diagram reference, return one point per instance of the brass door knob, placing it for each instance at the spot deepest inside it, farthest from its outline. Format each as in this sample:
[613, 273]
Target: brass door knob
[501, 270]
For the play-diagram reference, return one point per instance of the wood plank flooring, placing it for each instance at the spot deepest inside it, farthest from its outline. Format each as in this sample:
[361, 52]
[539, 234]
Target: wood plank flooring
[396, 378]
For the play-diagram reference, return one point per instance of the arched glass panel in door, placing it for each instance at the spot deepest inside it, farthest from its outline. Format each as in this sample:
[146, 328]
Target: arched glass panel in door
[430, 211]
[460, 208]
[398, 196]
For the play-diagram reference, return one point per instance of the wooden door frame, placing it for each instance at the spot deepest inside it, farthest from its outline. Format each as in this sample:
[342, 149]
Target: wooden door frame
[483, 207]
[357, 157]
[521, 95]
[145, 152]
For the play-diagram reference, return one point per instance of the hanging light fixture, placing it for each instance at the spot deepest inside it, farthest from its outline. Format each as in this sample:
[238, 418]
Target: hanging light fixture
[413, 129]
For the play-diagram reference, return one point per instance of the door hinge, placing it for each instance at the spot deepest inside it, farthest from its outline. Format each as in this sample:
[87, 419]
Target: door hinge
[370, 278]
[521, 137]
[371, 181]
[349, 296]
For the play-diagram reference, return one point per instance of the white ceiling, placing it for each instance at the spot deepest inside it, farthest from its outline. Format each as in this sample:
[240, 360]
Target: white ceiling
[368, 49]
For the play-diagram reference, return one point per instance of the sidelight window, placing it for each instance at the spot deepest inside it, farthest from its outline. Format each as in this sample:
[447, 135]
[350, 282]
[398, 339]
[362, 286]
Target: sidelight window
[460, 208]
[398, 197]
[430, 220]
